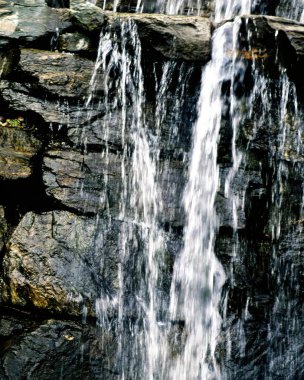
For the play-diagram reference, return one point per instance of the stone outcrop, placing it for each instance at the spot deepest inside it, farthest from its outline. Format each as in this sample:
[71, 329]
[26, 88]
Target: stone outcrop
[29, 21]
[67, 264]
[172, 37]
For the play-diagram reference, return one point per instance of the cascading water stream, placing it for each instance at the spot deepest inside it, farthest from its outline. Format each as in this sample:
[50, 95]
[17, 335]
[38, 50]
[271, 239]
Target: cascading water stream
[119, 57]
[198, 276]
[292, 9]
[271, 102]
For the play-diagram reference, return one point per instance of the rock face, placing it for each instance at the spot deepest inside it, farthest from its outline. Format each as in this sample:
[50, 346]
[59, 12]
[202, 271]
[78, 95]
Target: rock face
[93, 183]
[80, 249]
[173, 37]
[58, 74]
[18, 147]
[50, 349]
[54, 263]
[63, 263]
[16, 20]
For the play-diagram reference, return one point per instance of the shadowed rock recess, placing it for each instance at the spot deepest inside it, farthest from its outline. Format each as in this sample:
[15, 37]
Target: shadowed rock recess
[75, 223]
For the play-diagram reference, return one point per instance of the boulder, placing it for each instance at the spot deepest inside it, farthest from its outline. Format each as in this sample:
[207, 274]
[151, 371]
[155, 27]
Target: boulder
[29, 20]
[171, 37]
[75, 43]
[87, 16]
[186, 38]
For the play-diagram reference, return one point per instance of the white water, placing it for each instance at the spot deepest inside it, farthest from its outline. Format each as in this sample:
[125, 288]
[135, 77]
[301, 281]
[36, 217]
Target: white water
[292, 9]
[140, 201]
[198, 276]
[227, 9]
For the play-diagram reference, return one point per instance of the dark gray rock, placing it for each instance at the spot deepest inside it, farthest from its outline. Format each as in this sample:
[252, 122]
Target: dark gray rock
[92, 182]
[87, 16]
[293, 31]
[61, 74]
[58, 3]
[172, 37]
[29, 20]
[57, 261]
[10, 326]
[21, 97]
[63, 263]
[9, 56]
[55, 349]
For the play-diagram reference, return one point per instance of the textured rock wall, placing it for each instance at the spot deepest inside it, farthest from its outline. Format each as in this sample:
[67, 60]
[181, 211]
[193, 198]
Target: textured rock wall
[59, 254]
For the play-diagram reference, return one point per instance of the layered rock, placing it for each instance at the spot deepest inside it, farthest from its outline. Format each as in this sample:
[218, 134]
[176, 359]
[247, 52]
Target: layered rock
[93, 182]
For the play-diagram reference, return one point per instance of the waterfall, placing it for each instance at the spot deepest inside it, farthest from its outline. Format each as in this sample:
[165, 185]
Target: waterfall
[269, 107]
[119, 60]
[225, 10]
[292, 9]
[198, 276]
[197, 307]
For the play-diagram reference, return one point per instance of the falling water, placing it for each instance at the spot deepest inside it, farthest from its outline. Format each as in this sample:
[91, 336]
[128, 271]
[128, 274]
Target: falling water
[140, 200]
[198, 276]
[292, 9]
[173, 7]
[272, 103]
[226, 9]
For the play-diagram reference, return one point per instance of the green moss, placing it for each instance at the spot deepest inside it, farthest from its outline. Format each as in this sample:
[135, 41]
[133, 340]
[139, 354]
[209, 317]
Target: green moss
[13, 123]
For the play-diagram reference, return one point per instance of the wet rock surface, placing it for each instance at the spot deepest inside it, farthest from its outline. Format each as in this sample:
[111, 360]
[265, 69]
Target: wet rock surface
[53, 263]
[59, 74]
[62, 251]
[47, 349]
[67, 264]
[93, 183]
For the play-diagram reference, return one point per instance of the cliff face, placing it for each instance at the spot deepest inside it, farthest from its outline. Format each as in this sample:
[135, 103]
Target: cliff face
[68, 181]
